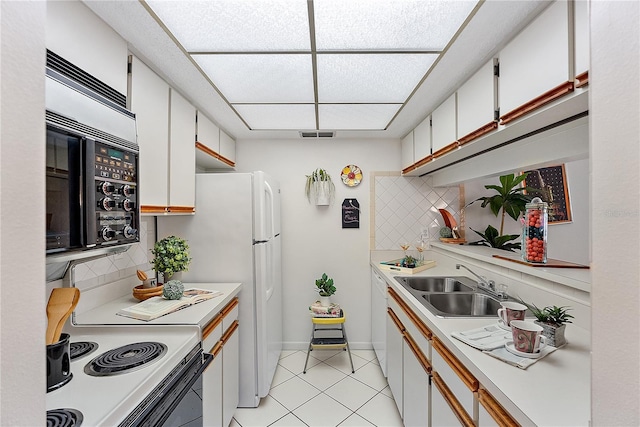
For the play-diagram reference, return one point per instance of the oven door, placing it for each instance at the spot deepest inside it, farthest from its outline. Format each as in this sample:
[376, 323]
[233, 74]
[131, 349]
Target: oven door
[166, 399]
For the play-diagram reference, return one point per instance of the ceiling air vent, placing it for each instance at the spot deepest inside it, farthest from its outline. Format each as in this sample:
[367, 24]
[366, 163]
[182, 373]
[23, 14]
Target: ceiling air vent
[325, 134]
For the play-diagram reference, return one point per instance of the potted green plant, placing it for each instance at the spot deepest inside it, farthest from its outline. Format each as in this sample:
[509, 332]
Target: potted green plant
[510, 200]
[553, 320]
[325, 288]
[320, 188]
[171, 256]
[409, 261]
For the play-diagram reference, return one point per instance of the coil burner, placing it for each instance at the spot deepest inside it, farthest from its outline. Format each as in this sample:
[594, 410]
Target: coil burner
[81, 348]
[125, 359]
[64, 417]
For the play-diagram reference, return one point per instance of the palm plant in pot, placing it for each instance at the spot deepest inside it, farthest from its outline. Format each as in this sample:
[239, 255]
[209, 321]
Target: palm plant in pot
[171, 256]
[319, 187]
[325, 288]
[553, 320]
[509, 200]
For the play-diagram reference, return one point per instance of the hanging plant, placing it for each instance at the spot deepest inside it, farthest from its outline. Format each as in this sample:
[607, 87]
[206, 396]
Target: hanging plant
[319, 188]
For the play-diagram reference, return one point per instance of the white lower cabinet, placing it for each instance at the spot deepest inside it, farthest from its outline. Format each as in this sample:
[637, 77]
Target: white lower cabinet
[491, 413]
[394, 357]
[220, 381]
[416, 390]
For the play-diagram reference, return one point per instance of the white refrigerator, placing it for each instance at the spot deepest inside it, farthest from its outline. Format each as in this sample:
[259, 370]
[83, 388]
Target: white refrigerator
[234, 236]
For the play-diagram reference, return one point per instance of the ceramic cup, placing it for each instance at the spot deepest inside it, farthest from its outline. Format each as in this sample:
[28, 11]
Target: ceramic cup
[511, 311]
[527, 336]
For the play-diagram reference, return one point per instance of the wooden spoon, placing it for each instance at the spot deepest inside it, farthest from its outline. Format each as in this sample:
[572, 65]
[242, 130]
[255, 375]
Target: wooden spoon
[61, 303]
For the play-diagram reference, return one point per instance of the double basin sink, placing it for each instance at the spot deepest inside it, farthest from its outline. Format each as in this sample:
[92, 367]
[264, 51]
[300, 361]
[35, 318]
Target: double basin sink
[451, 296]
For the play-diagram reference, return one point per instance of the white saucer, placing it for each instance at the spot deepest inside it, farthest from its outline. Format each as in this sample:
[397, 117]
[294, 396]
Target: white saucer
[511, 349]
[502, 325]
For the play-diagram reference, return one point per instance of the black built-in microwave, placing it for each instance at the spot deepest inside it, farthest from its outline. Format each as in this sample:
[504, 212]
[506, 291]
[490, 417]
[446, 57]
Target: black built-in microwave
[91, 168]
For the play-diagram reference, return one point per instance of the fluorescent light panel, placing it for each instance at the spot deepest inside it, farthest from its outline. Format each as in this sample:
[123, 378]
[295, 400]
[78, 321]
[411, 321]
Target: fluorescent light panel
[278, 117]
[356, 116]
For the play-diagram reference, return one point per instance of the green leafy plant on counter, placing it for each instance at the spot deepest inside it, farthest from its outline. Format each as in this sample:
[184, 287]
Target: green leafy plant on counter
[171, 255]
[325, 286]
[491, 238]
[551, 314]
[409, 261]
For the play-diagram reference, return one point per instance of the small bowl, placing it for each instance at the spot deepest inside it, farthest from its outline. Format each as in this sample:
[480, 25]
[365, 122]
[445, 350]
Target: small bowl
[142, 294]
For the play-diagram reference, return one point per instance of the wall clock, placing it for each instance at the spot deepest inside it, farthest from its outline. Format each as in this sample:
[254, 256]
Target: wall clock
[351, 175]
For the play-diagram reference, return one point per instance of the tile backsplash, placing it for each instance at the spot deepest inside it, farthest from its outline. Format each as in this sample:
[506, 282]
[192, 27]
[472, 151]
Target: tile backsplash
[403, 207]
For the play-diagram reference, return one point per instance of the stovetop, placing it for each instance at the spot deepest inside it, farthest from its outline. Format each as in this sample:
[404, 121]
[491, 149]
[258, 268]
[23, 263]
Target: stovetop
[107, 400]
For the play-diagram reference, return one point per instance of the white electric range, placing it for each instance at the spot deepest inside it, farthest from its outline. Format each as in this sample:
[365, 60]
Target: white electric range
[133, 397]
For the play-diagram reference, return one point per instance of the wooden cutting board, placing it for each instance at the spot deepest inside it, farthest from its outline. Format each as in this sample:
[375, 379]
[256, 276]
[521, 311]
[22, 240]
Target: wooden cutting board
[551, 263]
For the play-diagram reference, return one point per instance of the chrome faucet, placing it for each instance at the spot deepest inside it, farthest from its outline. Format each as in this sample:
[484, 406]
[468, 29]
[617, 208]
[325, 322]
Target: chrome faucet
[487, 285]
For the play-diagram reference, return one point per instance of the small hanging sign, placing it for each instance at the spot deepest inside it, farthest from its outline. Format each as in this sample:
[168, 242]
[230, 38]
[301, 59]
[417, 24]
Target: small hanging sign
[350, 213]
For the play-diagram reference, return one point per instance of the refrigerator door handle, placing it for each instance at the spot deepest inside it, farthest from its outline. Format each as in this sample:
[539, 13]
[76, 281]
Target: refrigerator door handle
[269, 192]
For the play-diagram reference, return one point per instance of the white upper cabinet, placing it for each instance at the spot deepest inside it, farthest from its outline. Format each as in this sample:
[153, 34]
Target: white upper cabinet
[581, 13]
[537, 60]
[149, 100]
[78, 35]
[477, 99]
[422, 139]
[227, 147]
[214, 148]
[443, 125]
[407, 150]
[182, 154]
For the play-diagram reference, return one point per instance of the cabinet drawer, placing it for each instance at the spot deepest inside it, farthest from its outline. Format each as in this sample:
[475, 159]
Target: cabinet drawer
[420, 333]
[462, 384]
[229, 314]
[211, 334]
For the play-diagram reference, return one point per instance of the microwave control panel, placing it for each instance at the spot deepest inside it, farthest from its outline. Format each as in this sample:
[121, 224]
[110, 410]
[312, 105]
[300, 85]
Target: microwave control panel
[117, 212]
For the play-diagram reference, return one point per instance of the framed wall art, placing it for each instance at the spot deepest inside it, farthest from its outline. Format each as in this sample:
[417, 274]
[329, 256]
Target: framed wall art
[551, 185]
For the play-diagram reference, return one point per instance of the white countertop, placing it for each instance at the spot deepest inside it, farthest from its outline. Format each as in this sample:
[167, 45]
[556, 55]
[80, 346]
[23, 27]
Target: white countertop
[555, 391]
[198, 314]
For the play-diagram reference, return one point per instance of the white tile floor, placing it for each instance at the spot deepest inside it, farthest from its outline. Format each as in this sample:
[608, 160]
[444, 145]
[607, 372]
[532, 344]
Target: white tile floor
[328, 395]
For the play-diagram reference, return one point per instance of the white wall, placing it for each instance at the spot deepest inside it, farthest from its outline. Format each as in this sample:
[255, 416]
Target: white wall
[313, 240]
[614, 79]
[22, 206]
[567, 241]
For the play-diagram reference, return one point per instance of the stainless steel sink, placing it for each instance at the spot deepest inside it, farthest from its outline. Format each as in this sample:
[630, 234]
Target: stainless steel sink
[462, 304]
[437, 284]
[451, 296]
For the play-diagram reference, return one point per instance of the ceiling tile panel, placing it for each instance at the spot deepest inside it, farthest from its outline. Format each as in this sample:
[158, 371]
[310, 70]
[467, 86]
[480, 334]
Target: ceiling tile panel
[278, 117]
[236, 26]
[374, 78]
[356, 116]
[388, 24]
[260, 78]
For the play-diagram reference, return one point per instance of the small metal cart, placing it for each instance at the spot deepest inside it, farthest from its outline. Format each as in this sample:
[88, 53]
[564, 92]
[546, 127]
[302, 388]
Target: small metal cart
[327, 343]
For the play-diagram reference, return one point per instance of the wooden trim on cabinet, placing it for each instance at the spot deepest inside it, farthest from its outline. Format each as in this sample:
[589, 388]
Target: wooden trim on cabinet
[446, 149]
[395, 320]
[418, 353]
[151, 209]
[216, 349]
[489, 127]
[455, 405]
[424, 330]
[230, 306]
[583, 79]
[423, 161]
[227, 334]
[545, 98]
[182, 209]
[211, 326]
[200, 146]
[467, 377]
[496, 411]
[409, 169]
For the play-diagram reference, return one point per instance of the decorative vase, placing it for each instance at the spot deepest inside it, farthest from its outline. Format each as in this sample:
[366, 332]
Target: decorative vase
[325, 301]
[323, 193]
[553, 333]
[175, 276]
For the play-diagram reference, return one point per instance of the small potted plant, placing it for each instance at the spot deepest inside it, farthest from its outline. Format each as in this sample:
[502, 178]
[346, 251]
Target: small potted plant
[319, 188]
[171, 256]
[553, 320]
[409, 261]
[325, 288]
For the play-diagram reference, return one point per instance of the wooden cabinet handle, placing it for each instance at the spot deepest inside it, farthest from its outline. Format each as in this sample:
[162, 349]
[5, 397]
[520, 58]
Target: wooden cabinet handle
[545, 98]
[494, 409]
[395, 320]
[216, 349]
[450, 398]
[467, 377]
[422, 359]
[200, 146]
[227, 334]
[424, 330]
[211, 326]
[227, 308]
